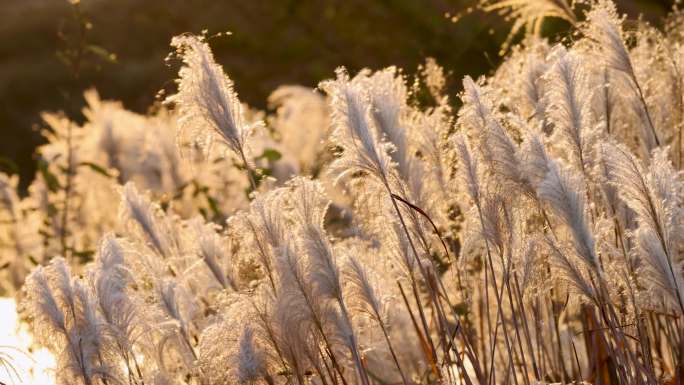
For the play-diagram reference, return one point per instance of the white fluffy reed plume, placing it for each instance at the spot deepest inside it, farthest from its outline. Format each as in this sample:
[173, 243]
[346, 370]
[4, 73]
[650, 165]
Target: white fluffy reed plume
[369, 302]
[604, 27]
[310, 206]
[44, 305]
[563, 192]
[264, 223]
[69, 323]
[535, 160]
[206, 96]
[570, 271]
[211, 251]
[323, 273]
[176, 307]
[135, 207]
[250, 360]
[110, 279]
[388, 94]
[362, 148]
[476, 112]
[569, 103]
[660, 269]
[361, 288]
[468, 169]
[121, 322]
[500, 153]
[655, 196]
[529, 14]
[533, 87]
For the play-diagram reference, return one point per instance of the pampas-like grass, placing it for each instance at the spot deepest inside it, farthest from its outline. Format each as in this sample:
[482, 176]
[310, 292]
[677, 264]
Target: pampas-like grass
[363, 149]
[569, 102]
[563, 192]
[212, 253]
[500, 152]
[469, 167]
[533, 236]
[604, 27]
[206, 96]
[140, 211]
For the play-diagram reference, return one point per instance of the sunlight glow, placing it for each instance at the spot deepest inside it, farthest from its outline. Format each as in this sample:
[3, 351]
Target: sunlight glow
[24, 365]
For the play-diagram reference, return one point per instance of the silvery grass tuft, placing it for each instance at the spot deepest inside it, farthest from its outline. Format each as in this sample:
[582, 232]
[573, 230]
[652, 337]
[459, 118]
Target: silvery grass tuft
[530, 236]
[207, 102]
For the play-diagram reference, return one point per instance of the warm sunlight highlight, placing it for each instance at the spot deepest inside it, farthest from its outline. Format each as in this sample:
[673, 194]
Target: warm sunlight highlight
[23, 365]
[372, 231]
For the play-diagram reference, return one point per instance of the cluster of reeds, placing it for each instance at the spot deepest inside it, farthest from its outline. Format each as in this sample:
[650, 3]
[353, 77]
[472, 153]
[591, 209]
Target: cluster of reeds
[374, 235]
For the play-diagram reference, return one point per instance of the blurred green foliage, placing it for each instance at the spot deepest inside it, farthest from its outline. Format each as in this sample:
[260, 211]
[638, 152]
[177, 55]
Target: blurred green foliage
[49, 55]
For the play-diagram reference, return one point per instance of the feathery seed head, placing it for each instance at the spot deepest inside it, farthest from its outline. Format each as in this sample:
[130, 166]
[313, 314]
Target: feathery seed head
[206, 96]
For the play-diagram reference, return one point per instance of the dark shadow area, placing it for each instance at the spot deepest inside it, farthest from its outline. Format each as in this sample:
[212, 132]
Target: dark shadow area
[272, 43]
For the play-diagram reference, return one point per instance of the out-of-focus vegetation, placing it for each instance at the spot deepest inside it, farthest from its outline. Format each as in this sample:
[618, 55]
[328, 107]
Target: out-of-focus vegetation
[272, 43]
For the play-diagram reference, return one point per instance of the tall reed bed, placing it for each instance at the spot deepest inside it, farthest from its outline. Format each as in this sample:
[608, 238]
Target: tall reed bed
[369, 233]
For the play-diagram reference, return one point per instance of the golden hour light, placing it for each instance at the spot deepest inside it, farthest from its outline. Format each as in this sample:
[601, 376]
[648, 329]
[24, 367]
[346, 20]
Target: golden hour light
[356, 192]
[22, 363]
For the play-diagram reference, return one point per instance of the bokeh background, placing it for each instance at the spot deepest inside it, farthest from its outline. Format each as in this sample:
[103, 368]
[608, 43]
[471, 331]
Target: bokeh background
[120, 46]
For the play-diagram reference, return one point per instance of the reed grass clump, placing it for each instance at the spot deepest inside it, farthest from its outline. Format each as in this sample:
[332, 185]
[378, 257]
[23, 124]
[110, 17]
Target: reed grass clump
[356, 236]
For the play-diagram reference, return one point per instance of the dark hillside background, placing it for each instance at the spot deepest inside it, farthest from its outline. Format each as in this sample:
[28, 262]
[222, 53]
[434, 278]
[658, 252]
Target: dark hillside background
[272, 43]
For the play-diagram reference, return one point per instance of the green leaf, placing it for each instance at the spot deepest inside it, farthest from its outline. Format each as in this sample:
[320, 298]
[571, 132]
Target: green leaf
[33, 260]
[213, 205]
[84, 256]
[460, 308]
[51, 210]
[271, 155]
[8, 165]
[97, 168]
[50, 178]
[102, 53]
